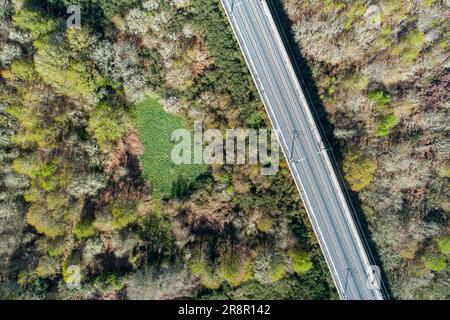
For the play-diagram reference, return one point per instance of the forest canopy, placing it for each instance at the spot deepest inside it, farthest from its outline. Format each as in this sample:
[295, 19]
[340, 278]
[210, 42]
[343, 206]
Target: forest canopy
[86, 116]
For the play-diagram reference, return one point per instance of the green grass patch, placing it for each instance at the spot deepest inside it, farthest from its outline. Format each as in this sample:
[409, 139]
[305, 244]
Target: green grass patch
[155, 127]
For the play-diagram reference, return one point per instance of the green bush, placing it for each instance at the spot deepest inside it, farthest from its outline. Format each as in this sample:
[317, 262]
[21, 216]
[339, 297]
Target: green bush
[54, 247]
[409, 48]
[357, 10]
[57, 248]
[235, 268]
[48, 267]
[435, 262]
[20, 70]
[380, 98]
[201, 267]
[277, 270]
[81, 40]
[386, 116]
[43, 221]
[107, 125]
[58, 68]
[84, 229]
[387, 123]
[32, 167]
[117, 215]
[124, 213]
[301, 261]
[34, 21]
[265, 224]
[181, 187]
[443, 244]
[107, 282]
[359, 170]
